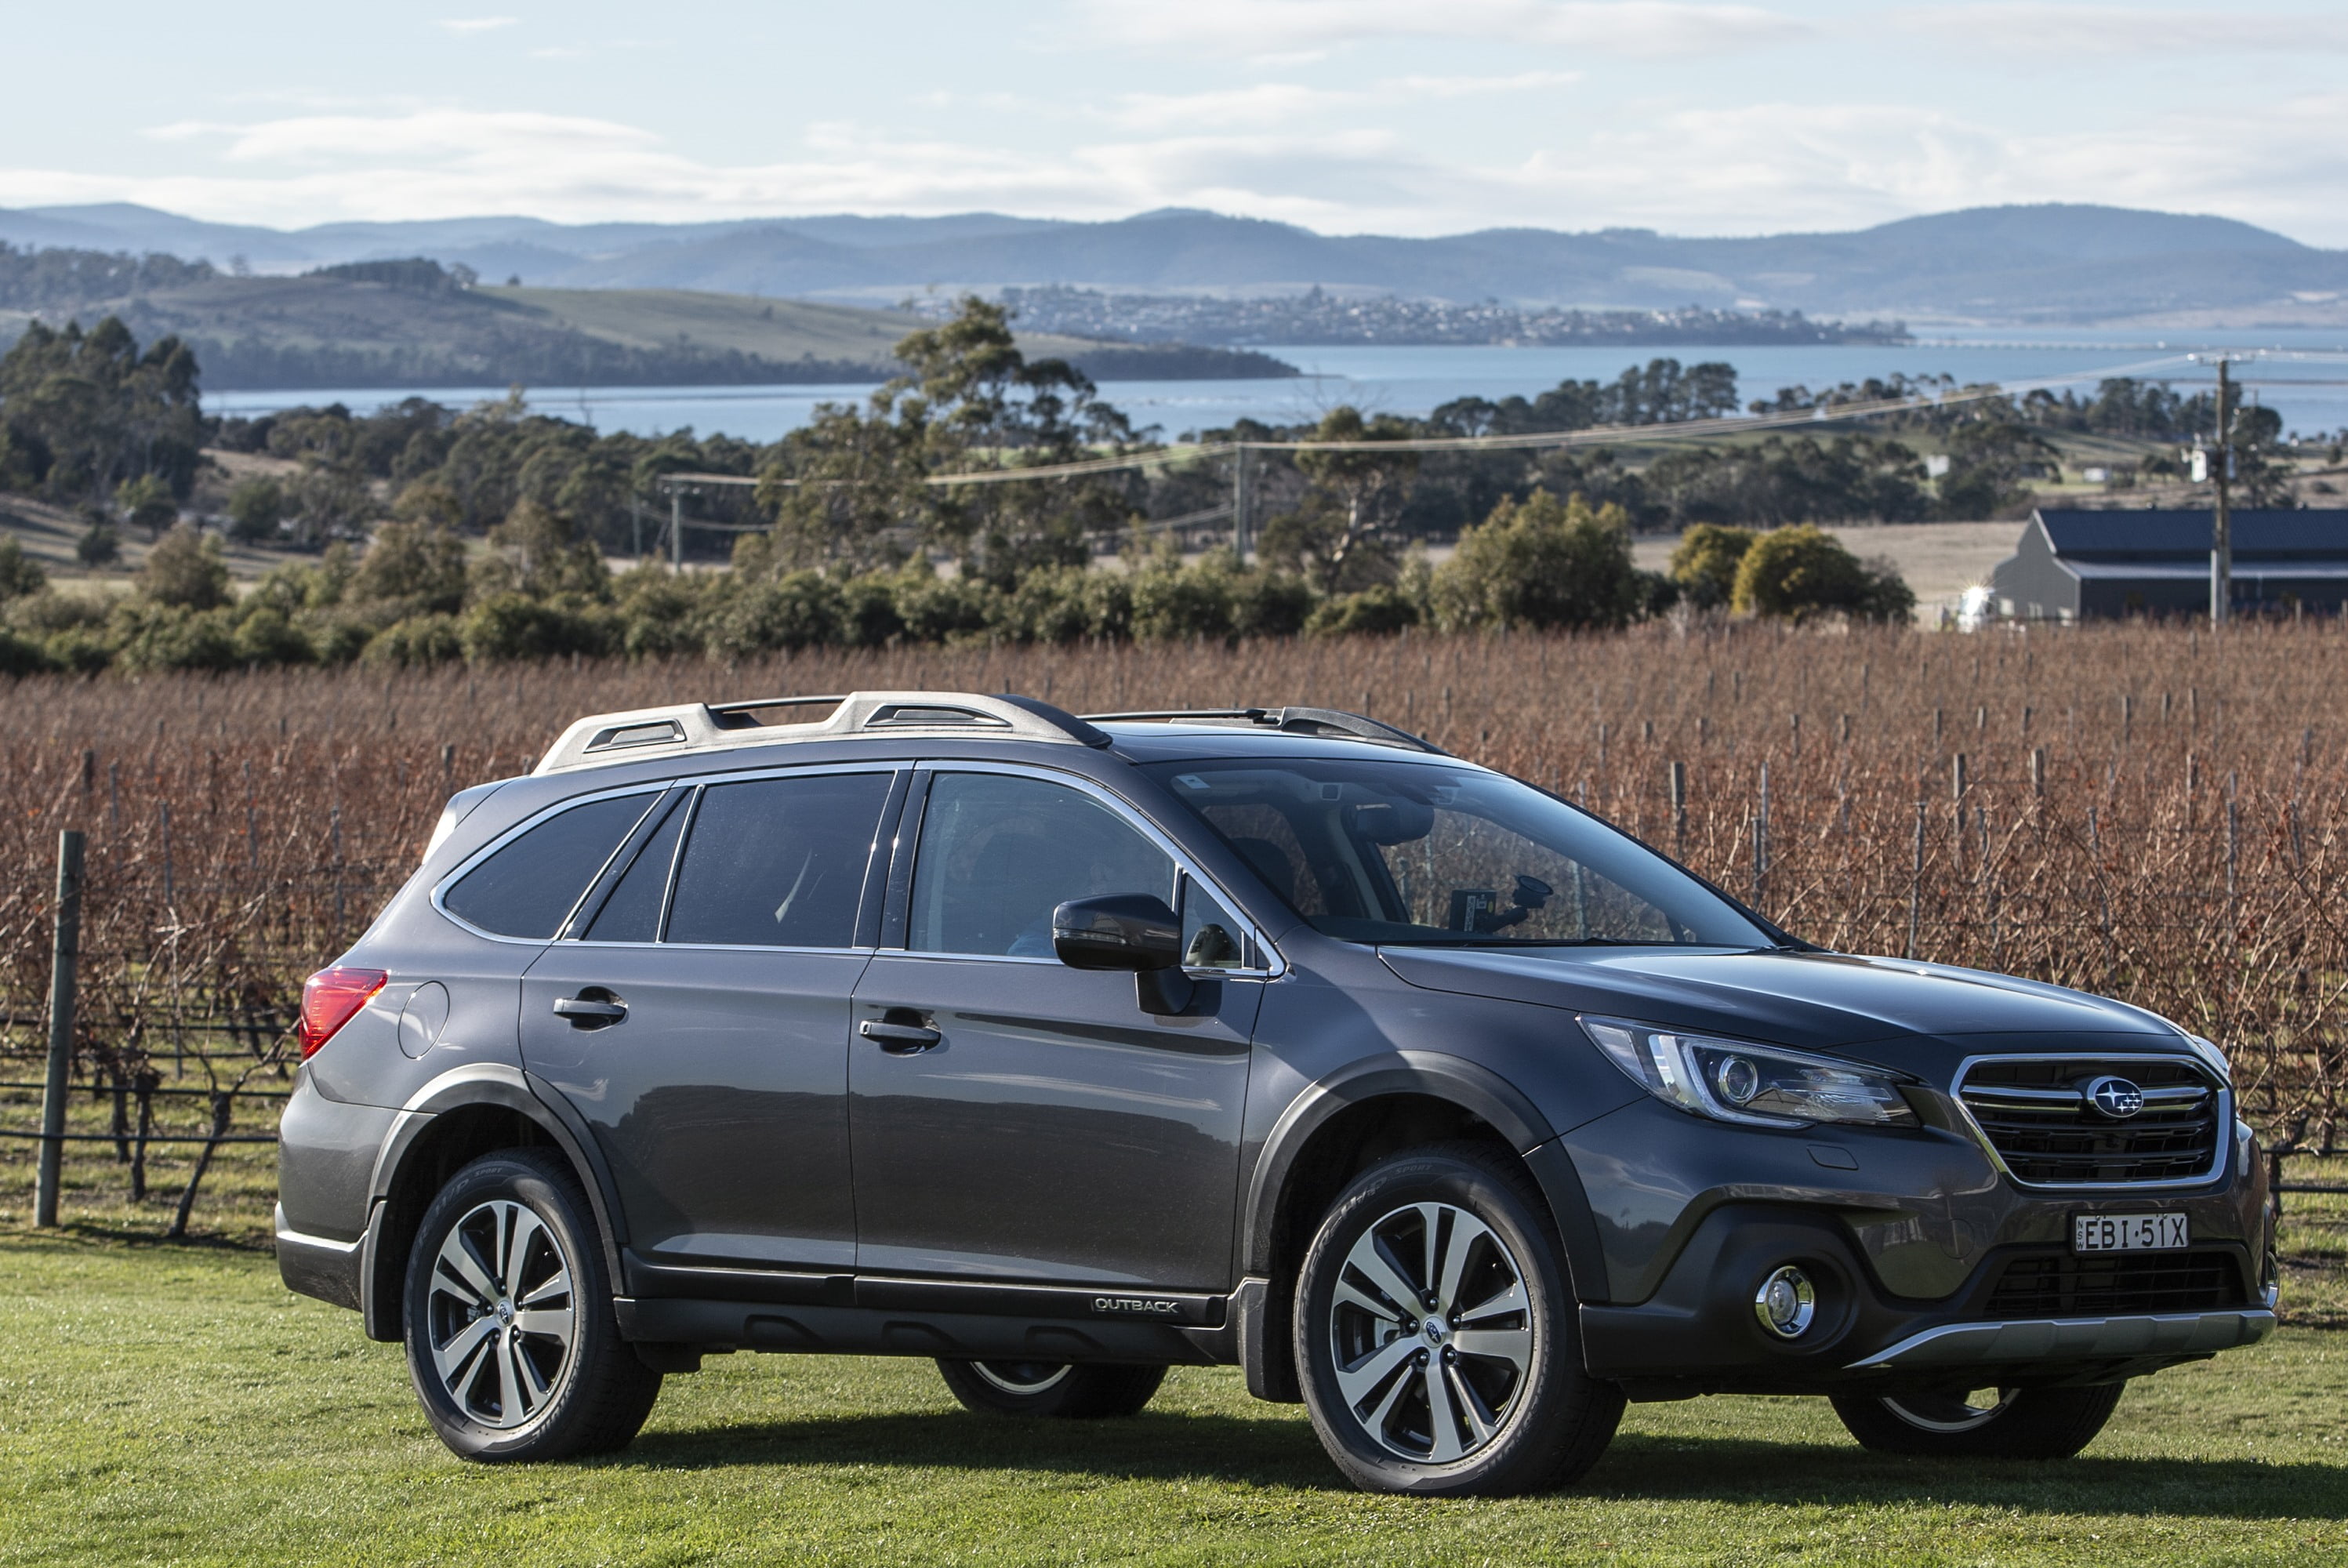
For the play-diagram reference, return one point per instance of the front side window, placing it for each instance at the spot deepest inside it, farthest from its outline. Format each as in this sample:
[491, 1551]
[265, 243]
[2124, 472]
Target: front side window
[530, 884]
[1432, 854]
[777, 862]
[998, 854]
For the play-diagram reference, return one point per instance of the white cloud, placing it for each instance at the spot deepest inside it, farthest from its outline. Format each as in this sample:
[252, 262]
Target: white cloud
[1282, 103]
[2031, 33]
[476, 23]
[1753, 168]
[1280, 29]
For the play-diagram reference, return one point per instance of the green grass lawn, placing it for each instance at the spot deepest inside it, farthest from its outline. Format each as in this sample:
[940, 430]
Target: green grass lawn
[174, 1404]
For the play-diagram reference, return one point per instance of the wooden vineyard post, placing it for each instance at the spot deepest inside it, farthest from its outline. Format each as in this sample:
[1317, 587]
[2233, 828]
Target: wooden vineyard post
[65, 950]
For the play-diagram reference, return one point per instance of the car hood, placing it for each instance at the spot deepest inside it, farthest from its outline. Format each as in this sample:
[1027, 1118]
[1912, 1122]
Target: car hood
[1800, 999]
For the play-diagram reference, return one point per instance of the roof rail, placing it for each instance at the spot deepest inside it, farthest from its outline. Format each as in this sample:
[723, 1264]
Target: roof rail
[1293, 720]
[603, 739]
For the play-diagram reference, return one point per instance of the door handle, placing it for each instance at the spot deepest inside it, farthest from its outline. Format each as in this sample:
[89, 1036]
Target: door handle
[593, 1008]
[898, 1039]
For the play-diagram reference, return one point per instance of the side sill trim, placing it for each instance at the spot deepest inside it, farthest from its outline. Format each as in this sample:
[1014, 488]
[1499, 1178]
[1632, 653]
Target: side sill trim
[2072, 1339]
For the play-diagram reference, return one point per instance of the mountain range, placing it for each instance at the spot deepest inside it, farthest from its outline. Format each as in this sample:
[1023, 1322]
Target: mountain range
[2019, 265]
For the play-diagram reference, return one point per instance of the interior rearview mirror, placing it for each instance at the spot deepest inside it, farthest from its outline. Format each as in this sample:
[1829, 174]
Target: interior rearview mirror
[1133, 931]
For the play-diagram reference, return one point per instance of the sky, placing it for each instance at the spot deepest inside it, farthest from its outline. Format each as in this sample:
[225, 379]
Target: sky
[1403, 117]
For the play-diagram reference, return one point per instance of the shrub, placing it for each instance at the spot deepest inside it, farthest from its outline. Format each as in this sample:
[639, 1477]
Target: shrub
[165, 636]
[1049, 605]
[1799, 573]
[255, 508]
[411, 569]
[1268, 604]
[1543, 563]
[101, 545]
[1704, 562]
[1379, 611]
[185, 569]
[414, 643]
[867, 611]
[797, 610]
[1171, 604]
[944, 609]
[264, 636]
[661, 615]
[20, 576]
[506, 626]
[21, 655]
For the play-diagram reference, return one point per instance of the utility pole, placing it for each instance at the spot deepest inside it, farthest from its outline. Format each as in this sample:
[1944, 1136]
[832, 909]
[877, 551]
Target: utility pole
[1239, 501]
[2221, 534]
[676, 528]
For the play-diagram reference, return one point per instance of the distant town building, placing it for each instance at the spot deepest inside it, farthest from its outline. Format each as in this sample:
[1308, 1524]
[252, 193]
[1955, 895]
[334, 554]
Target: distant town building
[2103, 565]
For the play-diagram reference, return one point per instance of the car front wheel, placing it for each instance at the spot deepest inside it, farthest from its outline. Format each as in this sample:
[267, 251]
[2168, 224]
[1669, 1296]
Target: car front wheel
[1435, 1331]
[1984, 1423]
[511, 1340]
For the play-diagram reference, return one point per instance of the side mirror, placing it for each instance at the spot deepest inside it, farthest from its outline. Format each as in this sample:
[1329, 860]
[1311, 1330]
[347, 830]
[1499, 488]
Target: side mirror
[1136, 932]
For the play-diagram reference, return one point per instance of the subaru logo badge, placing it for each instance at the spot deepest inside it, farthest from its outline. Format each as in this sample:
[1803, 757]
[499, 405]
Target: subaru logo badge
[2116, 1097]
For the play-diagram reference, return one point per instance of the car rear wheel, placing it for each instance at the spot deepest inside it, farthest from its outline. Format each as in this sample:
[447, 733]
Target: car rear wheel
[1983, 1423]
[511, 1341]
[1051, 1389]
[1434, 1331]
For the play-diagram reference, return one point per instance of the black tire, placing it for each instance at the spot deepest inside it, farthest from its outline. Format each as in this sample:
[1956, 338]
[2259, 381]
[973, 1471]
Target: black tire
[1053, 1389]
[1521, 1414]
[2023, 1424]
[521, 1222]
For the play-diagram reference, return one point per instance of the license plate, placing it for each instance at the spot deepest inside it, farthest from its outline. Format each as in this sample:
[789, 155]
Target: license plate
[2128, 1232]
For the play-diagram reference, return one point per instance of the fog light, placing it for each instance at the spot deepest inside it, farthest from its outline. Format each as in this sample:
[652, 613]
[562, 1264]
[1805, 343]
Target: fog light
[1787, 1303]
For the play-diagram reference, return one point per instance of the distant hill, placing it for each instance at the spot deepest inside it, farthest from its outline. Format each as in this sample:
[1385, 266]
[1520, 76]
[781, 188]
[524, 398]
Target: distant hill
[2002, 266]
[412, 323]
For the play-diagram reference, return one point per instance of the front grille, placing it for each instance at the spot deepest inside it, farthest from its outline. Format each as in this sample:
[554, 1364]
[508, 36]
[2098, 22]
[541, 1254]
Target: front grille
[2038, 1115]
[2115, 1286]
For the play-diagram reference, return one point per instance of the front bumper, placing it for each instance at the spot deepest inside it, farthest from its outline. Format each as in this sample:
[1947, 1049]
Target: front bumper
[1930, 1266]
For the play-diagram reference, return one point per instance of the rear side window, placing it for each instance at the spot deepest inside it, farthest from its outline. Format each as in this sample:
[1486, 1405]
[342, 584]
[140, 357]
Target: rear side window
[527, 887]
[779, 863]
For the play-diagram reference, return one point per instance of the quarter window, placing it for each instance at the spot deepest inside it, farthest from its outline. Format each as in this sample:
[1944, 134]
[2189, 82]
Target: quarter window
[779, 863]
[999, 852]
[527, 886]
[632, 912]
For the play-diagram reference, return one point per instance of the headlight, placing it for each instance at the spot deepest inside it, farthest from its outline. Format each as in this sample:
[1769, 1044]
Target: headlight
[1759, 1085]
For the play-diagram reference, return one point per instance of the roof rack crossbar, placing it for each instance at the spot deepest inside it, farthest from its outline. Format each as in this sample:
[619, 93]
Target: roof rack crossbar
[1305, 720]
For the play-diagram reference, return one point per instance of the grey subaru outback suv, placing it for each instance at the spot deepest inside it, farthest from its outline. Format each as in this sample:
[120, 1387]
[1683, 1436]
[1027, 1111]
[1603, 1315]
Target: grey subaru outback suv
[1062, 1050]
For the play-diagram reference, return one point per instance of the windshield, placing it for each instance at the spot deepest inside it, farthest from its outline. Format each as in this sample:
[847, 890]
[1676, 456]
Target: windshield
[1424, 853]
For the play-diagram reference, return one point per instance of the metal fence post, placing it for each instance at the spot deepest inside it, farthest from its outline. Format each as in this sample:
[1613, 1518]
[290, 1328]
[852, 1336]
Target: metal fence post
[62, 955]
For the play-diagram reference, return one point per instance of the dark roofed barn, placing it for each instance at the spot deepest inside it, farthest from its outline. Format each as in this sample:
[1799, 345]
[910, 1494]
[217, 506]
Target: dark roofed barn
[2100, 565]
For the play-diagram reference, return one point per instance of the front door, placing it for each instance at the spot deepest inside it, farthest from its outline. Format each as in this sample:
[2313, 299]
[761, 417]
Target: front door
[1052, 1131]
[704, 1016]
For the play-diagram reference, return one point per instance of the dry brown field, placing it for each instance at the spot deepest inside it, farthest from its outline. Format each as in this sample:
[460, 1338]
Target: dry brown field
[2153, 813]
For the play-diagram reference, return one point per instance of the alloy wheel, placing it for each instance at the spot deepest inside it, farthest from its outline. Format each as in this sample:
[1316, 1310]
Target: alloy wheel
[502, 1315]
[1431, 1333]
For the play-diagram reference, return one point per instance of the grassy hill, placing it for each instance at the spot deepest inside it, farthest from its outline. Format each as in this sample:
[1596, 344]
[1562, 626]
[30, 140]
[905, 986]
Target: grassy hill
[774, 329]
[413, 325]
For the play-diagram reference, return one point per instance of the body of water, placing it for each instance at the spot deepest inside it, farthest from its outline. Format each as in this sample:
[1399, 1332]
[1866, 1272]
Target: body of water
[2303, 375]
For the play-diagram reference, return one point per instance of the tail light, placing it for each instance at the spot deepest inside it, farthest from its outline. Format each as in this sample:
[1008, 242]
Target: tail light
[331, 998]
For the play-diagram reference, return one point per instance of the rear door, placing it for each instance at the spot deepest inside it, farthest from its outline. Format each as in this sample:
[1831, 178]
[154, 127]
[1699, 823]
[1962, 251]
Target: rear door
[696, 1018]
[1016, 1119]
